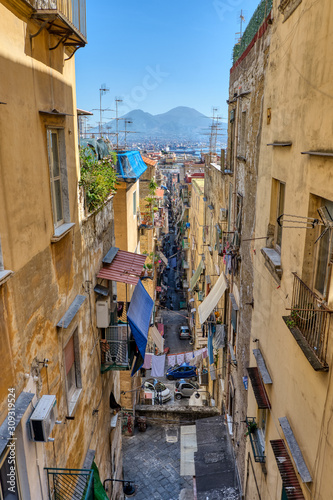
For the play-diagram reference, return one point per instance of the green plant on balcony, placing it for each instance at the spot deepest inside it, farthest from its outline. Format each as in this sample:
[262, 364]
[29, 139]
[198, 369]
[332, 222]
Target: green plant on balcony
[152, 186]
[98, 178]
[252, 426]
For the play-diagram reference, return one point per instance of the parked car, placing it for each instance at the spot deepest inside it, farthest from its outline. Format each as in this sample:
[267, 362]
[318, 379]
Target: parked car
[156, 387]
[184, 332]
[183, 371]
[185, 388]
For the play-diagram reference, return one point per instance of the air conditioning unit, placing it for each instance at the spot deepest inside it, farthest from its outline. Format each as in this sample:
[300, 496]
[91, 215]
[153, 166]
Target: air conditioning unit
[103, 312]
[43, 418]
[223, 214]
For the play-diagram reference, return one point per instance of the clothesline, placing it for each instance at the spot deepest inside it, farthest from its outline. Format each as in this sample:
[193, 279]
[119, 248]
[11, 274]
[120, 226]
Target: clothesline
[157, 362]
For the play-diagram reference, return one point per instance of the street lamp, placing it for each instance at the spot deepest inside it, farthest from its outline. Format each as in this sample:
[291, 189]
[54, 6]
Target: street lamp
[128, 489]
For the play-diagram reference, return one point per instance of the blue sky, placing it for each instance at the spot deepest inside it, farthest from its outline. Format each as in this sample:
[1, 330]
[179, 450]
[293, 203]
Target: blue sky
[158, 55]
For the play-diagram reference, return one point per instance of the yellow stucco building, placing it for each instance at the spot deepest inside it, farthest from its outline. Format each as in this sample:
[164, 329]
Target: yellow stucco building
[50, 255]
[290, 446]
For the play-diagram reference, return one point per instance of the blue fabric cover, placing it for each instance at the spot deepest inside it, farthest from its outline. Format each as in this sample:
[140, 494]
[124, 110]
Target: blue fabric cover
[130, 165]
[210, 344]
[139, 313]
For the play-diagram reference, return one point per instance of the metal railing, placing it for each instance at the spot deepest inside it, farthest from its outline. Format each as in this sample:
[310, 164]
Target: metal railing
[116, 348]
[257, 449]
[73, 10]
[66, 484]
[311, 316]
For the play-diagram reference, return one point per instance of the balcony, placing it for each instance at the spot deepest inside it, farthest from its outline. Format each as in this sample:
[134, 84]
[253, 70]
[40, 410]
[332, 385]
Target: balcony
[185, 244]
[256, 445]
[117, 349]
[309, 322]
[70, 483]
[145, 219]
[63, 18]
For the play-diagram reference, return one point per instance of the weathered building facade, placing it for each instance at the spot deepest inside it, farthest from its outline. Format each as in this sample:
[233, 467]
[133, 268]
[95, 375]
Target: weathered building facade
[292, 355]
[50, 256]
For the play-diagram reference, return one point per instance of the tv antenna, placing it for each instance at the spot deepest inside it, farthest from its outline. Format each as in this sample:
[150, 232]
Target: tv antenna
[127, 121]
[102, 91]
[298, 222]
[118, 100]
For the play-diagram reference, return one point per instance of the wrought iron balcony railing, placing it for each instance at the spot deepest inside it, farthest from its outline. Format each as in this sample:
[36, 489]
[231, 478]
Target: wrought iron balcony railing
[256, 445]
[70, 483]
[117, 349]
[310, 317]
[71, 11]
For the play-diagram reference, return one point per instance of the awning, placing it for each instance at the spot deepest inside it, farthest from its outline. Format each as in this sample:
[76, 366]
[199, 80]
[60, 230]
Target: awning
[163, 258]
[258, 389]
[71, 311]
[139, 313]
[262, 366]
[197, 274]
[125, 267]
[157, 338]
[212, 298]
[295, 450]
[290, 482]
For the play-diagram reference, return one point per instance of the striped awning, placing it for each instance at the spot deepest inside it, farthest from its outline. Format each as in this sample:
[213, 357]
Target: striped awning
[289, 478]
[126, 267]
[258, 388]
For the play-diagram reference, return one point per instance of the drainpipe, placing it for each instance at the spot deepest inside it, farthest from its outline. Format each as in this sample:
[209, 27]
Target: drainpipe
[232, 274]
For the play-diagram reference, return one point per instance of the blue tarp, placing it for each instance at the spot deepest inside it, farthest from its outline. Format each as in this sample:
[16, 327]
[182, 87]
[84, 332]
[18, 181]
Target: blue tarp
[130, 165]
[139, 313]
[98, 146]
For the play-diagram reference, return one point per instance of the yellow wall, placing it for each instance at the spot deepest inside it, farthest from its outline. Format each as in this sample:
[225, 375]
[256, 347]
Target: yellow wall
[47, 276]
[125, 226]
[298, 92]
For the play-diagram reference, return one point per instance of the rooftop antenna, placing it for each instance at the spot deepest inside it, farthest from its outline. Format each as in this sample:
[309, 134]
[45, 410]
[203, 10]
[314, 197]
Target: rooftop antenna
[290, 221]
[102, 91]
[118, 100]
[240, 32]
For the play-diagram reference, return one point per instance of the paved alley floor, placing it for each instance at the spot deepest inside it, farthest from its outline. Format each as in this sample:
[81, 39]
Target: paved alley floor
[152, 461]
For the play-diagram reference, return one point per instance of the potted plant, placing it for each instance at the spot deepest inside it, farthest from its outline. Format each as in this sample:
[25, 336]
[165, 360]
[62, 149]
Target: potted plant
[251, 427]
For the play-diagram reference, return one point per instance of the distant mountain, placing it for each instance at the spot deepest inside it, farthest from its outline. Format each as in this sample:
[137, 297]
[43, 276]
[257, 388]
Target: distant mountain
[178, 123]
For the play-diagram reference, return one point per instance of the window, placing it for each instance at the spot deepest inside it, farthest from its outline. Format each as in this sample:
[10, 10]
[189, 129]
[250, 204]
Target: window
[9, 486]
[262, 426]
[73, 371]
[287, 7]
[318, 252]
[277, 208]
[58, 176]
[134, 203]
[242, 140]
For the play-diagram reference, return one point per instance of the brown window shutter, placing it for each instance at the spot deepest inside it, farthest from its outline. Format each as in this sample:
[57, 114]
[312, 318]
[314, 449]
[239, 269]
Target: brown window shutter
[69, 354]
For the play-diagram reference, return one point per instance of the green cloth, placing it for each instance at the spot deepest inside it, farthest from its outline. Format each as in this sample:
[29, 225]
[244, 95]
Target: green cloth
[197, 274]
[99, 491]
